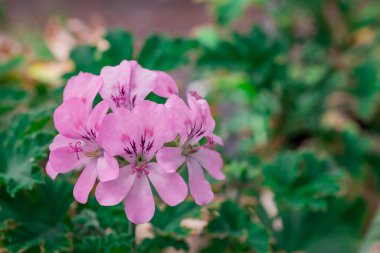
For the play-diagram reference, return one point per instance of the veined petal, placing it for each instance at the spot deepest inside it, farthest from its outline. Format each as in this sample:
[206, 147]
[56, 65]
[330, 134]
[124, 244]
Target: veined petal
[107, 167]
[67, 158]
[84, 86]
[200, 188]
[165, 85]
[85, 182]
[143, 81]
[170, 186]
[112, 192]
[170, 158]
[96, 118]
[50, 171]
[139, 203]
[211, 161]
[116, 86]
[70, 118]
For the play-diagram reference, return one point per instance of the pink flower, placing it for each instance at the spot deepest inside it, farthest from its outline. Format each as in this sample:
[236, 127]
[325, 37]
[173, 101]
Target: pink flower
[193, 124]
[128, 84]
[137, 135]
[78, 142]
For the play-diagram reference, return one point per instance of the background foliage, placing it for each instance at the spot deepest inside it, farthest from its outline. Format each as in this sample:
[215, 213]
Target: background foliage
[296, 101]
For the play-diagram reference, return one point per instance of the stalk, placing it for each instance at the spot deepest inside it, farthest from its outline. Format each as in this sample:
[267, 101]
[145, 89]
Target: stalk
[132, 232]
[371, 243]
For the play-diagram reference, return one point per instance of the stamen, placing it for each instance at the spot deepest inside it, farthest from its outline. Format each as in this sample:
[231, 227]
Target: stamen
[195, 95]
[75, 148]
[140, 169]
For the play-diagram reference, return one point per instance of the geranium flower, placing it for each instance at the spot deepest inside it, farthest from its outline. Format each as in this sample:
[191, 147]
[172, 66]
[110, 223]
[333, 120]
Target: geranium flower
[78, 142]
[137, 135]
[127, 84]
[193, 124]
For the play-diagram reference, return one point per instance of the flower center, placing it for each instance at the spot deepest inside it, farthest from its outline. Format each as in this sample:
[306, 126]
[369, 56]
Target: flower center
[93, 154]
[140, 169]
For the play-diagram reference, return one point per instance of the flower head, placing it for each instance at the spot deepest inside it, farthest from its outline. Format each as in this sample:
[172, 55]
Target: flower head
[194, 123]
[137, 135]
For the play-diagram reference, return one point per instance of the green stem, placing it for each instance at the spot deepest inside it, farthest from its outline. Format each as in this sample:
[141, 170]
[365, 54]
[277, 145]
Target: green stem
[132, 232]
[372, 238]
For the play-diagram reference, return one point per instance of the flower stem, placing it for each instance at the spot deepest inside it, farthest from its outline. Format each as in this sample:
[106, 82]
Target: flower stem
[132, 232]
[371, 241]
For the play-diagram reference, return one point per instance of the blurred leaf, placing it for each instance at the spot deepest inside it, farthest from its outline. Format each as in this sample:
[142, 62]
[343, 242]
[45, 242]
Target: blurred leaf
[232, 220]
[33, 221]
[229, 10]
[6, 67]
[159, 243]
[168, 220]
[258, 238]
[121, 47]
[301, 180]
[163, 53]
[110, 243]
[86, 59]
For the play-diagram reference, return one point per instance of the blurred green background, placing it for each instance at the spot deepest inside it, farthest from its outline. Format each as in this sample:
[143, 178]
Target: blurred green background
[294, 87]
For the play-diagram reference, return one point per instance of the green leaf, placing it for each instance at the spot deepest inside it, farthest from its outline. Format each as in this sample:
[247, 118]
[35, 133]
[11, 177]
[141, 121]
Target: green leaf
[22, 148]
[163, 53]
[159, 243]
[232, 220]
[33, 220]
[121, 47]
[258, 238]
[86, 59]
[109, 243]
[227, 11]
[168, 220]
[302, 180]
[6, 67]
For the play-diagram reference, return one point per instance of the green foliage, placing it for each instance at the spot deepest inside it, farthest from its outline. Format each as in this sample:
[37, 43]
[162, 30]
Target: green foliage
[301, 180]
[35, 220]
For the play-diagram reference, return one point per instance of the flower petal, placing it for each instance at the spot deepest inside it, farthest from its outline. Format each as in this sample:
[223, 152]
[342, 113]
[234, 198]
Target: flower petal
[170, 186]
[96, 117]
[65, 159]
[84, 86]
[170, 158]
[200, 188]
[139, 203]
[70, 117]
[211, 161]
[107, 167]
[112, 192]
[116, 78]
[165, 85]
[143, 82]
[85, 182]
[50, 171]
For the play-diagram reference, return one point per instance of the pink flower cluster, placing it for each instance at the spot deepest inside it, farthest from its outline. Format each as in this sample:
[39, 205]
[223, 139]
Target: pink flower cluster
[153, 140]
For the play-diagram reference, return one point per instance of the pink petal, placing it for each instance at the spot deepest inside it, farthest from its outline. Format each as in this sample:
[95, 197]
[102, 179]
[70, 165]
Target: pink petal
[211, 161]
[116, 127]
[50, 171]
[170, 186]
[201, 112]
[170, 158]
[85, 182]
[112, 192]
[165, 85]
[200, 188]
[115, 78]
[61, 141]
[181, 115]
[217, 139]
[143, 81]
[96, 117]
[84, 86]
[65, 159]
[108, 168]
[70, 117]
[139, 203]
